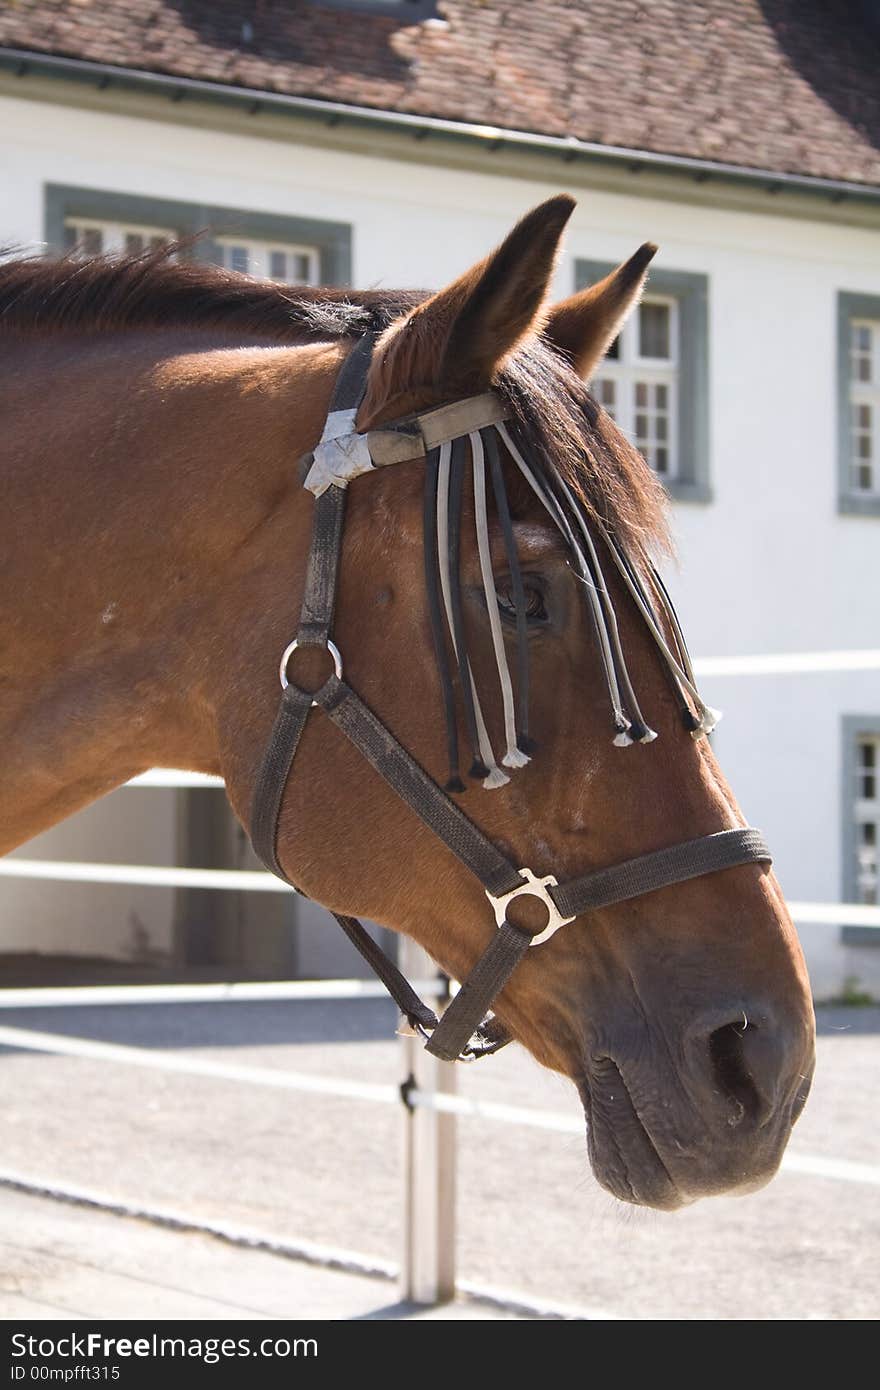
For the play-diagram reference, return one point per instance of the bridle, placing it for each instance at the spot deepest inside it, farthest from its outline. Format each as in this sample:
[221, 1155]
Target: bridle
[464, 1031]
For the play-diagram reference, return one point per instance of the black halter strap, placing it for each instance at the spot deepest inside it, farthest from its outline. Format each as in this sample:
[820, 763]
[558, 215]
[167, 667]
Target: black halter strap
[462, 1031]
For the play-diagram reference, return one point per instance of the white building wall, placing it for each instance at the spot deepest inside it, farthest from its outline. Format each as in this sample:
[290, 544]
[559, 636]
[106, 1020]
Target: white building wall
[769, 565]
[113, 921]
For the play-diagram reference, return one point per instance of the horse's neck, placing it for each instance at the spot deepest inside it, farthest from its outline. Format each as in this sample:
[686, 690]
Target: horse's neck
[141, 480]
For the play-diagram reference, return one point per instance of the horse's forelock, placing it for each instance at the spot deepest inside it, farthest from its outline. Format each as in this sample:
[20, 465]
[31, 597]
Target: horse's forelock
[556, 416]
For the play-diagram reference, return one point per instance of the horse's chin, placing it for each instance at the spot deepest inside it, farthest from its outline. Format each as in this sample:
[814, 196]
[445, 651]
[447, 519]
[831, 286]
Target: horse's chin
[626, 1161]
[622, 1156]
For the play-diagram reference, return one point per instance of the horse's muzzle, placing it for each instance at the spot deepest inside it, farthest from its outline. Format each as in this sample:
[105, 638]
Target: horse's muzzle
[710, 1115]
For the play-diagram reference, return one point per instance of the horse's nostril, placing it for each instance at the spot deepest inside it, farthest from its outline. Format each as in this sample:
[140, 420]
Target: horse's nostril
[728, 1052]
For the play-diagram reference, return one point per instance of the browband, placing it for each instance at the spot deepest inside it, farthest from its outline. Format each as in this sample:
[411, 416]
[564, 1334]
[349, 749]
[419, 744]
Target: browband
[343, 454]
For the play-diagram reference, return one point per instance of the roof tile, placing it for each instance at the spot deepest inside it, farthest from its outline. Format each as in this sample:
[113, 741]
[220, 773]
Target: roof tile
[787, 85]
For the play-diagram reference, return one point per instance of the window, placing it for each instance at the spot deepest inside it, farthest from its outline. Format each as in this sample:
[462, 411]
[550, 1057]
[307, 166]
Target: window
[866, 801]
[864, 406]
[861, 811]
[858, 386]
[638, 383]
[288, 248]
[291, 265]
[90, 237]
[654, 380]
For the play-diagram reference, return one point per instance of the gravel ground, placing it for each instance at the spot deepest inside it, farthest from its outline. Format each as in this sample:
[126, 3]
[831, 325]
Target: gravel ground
[326, 1170]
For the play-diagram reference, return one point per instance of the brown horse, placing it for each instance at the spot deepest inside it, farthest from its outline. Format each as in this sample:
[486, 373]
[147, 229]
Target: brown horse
[155, 534]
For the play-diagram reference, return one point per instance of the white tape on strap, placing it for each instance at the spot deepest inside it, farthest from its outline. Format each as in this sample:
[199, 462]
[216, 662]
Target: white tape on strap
[342, 454]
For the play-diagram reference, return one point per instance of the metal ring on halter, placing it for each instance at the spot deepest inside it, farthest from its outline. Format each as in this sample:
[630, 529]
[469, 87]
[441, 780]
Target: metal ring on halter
[295, 645]
[533, 888]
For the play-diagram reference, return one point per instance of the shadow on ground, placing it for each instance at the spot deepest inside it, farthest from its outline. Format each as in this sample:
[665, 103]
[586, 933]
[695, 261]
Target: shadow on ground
[241, 1024]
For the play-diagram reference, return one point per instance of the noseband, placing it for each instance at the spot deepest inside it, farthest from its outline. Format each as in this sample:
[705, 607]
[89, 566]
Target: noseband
[464, 1031]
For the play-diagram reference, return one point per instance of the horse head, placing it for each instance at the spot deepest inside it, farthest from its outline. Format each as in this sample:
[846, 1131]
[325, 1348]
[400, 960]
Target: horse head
[682, 1013]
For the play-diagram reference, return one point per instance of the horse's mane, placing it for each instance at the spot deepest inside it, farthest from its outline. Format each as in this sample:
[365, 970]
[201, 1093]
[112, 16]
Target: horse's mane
[41, 295]
[552, 410]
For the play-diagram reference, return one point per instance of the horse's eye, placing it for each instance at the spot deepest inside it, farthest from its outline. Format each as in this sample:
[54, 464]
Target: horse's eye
[536, 611]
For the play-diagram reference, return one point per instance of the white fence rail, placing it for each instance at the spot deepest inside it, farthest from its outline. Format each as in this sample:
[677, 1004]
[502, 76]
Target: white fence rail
[789, 663]
[427, 1096]
[257, 881]
[74, 871]
[260, 991]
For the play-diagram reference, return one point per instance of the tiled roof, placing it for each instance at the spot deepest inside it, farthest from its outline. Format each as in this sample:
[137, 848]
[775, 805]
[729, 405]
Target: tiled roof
[786, 85]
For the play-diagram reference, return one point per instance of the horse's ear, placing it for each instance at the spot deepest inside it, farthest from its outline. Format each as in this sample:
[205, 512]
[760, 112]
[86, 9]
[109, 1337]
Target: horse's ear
[458, 339]
[584, 326]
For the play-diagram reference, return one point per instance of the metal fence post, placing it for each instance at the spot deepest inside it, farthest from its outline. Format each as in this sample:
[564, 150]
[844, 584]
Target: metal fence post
[427, 1265]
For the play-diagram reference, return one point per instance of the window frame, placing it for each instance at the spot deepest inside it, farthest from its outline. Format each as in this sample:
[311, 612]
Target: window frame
[332, 240]
[690, 291]
[854, 727]
[852, 305]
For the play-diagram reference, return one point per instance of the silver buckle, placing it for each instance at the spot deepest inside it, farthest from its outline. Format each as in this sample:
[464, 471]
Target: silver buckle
[294, 646]
[537, 888]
